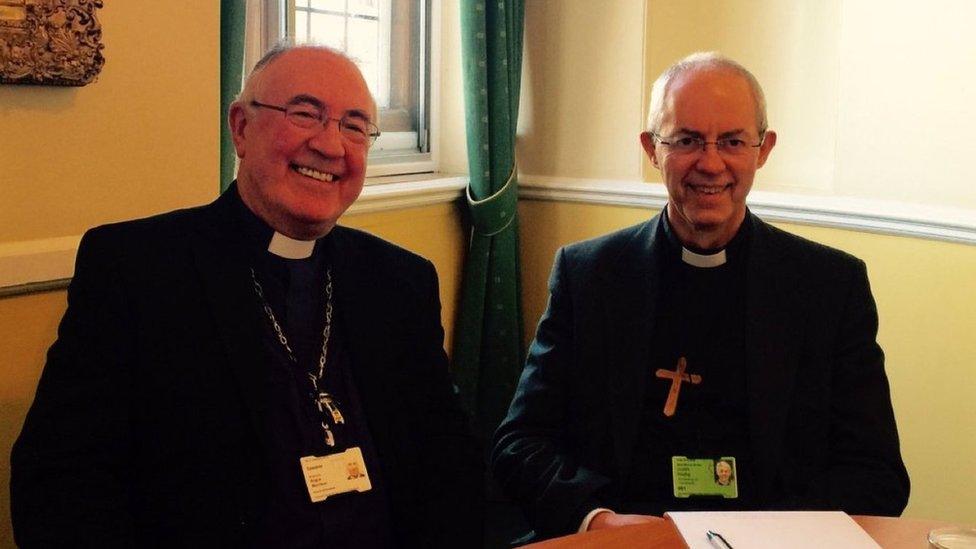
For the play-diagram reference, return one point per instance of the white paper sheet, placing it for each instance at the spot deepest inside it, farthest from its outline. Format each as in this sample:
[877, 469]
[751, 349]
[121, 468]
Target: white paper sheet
[759, 530]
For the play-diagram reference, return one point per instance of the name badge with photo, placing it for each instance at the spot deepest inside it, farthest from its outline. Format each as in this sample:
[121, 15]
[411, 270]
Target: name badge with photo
[704, 477]
[335, 474]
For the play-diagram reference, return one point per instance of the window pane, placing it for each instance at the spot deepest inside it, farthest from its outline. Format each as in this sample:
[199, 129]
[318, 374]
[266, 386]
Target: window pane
[369, 8]
[331, 5]
[363, 47]
[383, 37]
[328, 29]
[301, 26]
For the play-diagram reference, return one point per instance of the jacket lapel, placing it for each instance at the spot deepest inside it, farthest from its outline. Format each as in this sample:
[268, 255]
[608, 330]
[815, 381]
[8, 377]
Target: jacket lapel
[632, 283]
[363, 317]
[222, 261]
[771, 353]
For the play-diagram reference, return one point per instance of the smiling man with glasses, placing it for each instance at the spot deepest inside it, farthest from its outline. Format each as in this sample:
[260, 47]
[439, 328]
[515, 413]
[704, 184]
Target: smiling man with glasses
[248, 373]
[302, 137]
[702, 337]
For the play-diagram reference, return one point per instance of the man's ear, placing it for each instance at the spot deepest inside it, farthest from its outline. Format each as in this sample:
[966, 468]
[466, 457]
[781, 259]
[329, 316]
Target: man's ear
[647, 141]
[237, 118]
[769, 141]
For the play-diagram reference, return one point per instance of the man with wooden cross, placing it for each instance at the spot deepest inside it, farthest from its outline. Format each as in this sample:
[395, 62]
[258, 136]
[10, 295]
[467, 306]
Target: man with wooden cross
[702, 337]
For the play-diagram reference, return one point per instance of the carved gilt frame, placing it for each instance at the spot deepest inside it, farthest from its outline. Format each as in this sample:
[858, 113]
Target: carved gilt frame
[50, 42]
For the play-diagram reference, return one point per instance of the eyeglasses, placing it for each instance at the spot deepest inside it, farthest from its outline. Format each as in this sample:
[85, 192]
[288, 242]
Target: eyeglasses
[352, 127]
[729, 146]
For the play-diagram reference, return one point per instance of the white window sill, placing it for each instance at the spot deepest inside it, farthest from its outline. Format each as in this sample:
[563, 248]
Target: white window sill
[407, 191]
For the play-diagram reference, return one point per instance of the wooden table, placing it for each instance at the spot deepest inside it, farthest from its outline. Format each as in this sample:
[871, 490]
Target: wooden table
[890, 533]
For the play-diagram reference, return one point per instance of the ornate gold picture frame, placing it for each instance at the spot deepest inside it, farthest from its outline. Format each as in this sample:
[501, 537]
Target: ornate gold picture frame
[52, 42]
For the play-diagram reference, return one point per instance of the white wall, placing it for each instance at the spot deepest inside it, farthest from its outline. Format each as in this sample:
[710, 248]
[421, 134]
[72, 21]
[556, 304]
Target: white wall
[907, 109]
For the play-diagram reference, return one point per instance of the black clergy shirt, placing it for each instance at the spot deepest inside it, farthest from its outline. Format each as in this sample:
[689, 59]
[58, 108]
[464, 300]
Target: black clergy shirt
[699, 316]
[295, 290]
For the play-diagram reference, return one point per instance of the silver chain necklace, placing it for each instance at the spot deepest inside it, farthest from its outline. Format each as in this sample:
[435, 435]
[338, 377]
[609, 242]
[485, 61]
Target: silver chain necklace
[323, 400]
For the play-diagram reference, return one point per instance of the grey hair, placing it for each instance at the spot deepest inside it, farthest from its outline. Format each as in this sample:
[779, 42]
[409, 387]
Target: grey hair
[696, 61]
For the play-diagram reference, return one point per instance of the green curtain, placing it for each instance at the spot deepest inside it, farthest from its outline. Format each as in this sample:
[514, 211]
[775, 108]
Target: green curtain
[231, 67]
[488, 349]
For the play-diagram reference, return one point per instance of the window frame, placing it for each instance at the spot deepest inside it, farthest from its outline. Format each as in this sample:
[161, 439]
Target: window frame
[267, 24]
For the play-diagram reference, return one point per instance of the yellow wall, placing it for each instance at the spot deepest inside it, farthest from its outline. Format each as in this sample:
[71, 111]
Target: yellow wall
[27, 327]
[142, 139]
[768, 36]
[453, 157]
[580, 109]
[926, 298]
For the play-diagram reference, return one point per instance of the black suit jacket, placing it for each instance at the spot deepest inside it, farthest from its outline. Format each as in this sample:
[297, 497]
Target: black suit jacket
[150, 423]
[821, 423]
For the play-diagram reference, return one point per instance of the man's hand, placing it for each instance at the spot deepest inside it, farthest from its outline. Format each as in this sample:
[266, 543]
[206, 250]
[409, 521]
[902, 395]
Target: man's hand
[609, 519]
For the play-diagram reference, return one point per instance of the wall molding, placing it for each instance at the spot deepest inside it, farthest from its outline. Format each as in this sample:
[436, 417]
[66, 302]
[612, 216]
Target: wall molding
[31, 266]
[876, 216]
[43, 265]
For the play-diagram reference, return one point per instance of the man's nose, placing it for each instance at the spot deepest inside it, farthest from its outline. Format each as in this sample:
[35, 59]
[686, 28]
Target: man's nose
[709, 160]
[328, 140]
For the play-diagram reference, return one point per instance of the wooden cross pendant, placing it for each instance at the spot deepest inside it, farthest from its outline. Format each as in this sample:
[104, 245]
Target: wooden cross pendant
[676, 377]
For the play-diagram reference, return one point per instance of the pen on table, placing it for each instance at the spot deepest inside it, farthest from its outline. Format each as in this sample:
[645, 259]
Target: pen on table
[712, 535]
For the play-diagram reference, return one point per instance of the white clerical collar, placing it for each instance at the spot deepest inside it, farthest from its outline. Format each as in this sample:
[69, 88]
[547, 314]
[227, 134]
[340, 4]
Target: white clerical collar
[289, 248]
[702, 261]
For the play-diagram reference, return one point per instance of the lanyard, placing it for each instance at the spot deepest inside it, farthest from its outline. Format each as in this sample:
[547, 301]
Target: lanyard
[323, 400]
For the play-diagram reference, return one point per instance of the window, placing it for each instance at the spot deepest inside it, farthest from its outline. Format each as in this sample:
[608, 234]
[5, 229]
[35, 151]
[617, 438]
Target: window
[390, 42]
